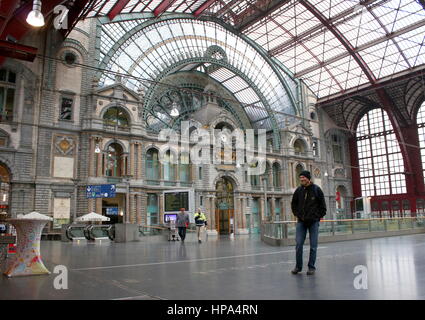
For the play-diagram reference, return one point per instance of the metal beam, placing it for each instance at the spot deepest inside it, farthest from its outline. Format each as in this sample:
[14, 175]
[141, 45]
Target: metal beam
[365, 46]
[116, 9]
[163, 6]
[203, 7]
[250, 17]
[369, 74]
[335, 20]
[17, 51]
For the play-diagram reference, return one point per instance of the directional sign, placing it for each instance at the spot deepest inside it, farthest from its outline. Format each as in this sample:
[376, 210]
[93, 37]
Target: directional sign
[101, 191]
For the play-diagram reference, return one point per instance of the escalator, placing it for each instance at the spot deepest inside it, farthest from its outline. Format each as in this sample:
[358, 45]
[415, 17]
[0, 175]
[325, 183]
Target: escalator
[75, 232]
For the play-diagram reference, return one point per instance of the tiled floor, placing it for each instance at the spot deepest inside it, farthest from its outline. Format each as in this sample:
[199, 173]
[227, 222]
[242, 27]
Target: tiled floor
[222, 268]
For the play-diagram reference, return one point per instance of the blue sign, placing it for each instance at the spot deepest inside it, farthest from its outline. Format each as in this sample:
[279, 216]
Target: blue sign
[112, 211]
[101, 191]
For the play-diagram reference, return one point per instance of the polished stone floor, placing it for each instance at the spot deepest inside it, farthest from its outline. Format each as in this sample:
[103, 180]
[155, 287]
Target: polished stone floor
[224, 268]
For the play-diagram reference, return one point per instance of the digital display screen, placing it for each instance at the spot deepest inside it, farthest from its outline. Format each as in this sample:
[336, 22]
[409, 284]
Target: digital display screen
[168, 217]
[112, 211]
[176, 200]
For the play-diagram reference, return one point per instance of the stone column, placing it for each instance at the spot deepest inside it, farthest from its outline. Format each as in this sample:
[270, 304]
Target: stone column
[132, 159]
[273, 208]
[160, 198]
[138, 209]
[98, 205]
[139, 161]
[92, 157]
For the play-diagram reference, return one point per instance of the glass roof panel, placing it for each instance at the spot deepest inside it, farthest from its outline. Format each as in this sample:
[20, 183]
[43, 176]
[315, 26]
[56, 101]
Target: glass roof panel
[296, 37]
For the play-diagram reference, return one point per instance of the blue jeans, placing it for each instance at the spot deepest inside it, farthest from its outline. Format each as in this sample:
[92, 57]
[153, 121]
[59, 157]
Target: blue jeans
[301, 233]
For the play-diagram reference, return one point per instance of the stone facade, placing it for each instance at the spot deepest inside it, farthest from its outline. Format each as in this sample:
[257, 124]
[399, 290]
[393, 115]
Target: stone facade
[54, 155]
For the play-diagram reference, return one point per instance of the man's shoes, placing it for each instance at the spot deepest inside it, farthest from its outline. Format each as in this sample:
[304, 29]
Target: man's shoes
[311, 272]
[295, 271]
[199, 241]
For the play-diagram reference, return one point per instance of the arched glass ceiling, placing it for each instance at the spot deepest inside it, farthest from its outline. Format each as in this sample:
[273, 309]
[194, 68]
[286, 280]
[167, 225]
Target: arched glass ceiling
[334, 45]
[152, 50]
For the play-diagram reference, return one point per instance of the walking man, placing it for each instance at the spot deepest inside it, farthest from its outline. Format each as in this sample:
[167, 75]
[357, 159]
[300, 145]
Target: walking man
[309, 206]
[200, 221]
[182, 222]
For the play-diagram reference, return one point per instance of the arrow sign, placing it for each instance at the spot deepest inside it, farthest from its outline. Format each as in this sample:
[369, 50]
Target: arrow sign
[100, 191]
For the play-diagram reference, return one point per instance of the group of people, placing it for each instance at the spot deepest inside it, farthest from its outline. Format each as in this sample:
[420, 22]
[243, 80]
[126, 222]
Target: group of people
[308, 205]
[182, 223]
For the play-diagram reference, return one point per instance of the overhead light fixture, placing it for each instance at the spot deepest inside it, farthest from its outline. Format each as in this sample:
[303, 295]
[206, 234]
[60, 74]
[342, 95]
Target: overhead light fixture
[174, 112]
[35, 17]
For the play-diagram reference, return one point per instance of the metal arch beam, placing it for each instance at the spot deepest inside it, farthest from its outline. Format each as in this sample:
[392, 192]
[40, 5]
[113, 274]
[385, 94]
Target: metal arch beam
[326, 22]
[116, 9]
[119, 43]
[203, 7]
[163, 6]
[223, 64]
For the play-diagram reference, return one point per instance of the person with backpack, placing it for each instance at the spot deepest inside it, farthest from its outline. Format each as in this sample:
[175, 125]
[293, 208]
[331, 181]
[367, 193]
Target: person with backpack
[309, 206]
[200, 221]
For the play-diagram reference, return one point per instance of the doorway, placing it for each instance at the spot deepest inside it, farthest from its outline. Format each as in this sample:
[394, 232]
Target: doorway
[224, 206]
[114, 208]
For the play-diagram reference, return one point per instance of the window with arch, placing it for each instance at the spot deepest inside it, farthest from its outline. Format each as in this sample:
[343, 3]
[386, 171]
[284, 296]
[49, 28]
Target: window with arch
[276, 175]
[380, 160]
[4, 188]
[299, 147]
[116, 116]
[4, 139]
[7, 94]
[184, 166]
[114, 160]
[298, 169]
[152, 164]
[420, 120]
[169, 164]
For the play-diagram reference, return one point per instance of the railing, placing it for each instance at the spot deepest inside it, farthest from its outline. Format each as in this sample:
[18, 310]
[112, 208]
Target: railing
[285, 230]
[145, 230]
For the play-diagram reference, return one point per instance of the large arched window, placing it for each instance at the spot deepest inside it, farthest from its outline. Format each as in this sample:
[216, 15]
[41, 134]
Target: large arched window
[152, 166]
[169, 168]
[184, 168]
[420, 120]
[276, 175]
[380, 159]
[4, 189]
[116, 116]
[114, 162]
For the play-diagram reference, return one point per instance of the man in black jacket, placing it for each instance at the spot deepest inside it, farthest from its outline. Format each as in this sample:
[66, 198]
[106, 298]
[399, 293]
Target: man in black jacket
[309, 206]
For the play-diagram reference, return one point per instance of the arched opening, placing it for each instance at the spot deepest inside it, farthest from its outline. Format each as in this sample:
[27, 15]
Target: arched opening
[380, 158]
[342, 206]
[224, 204]
[152, 166]
[117, 117]
[420, 121]
[4, 189]
[114, 161]
[169, 166]
[298, 169]
[184, 169]
[276, 175]
[299, 147]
